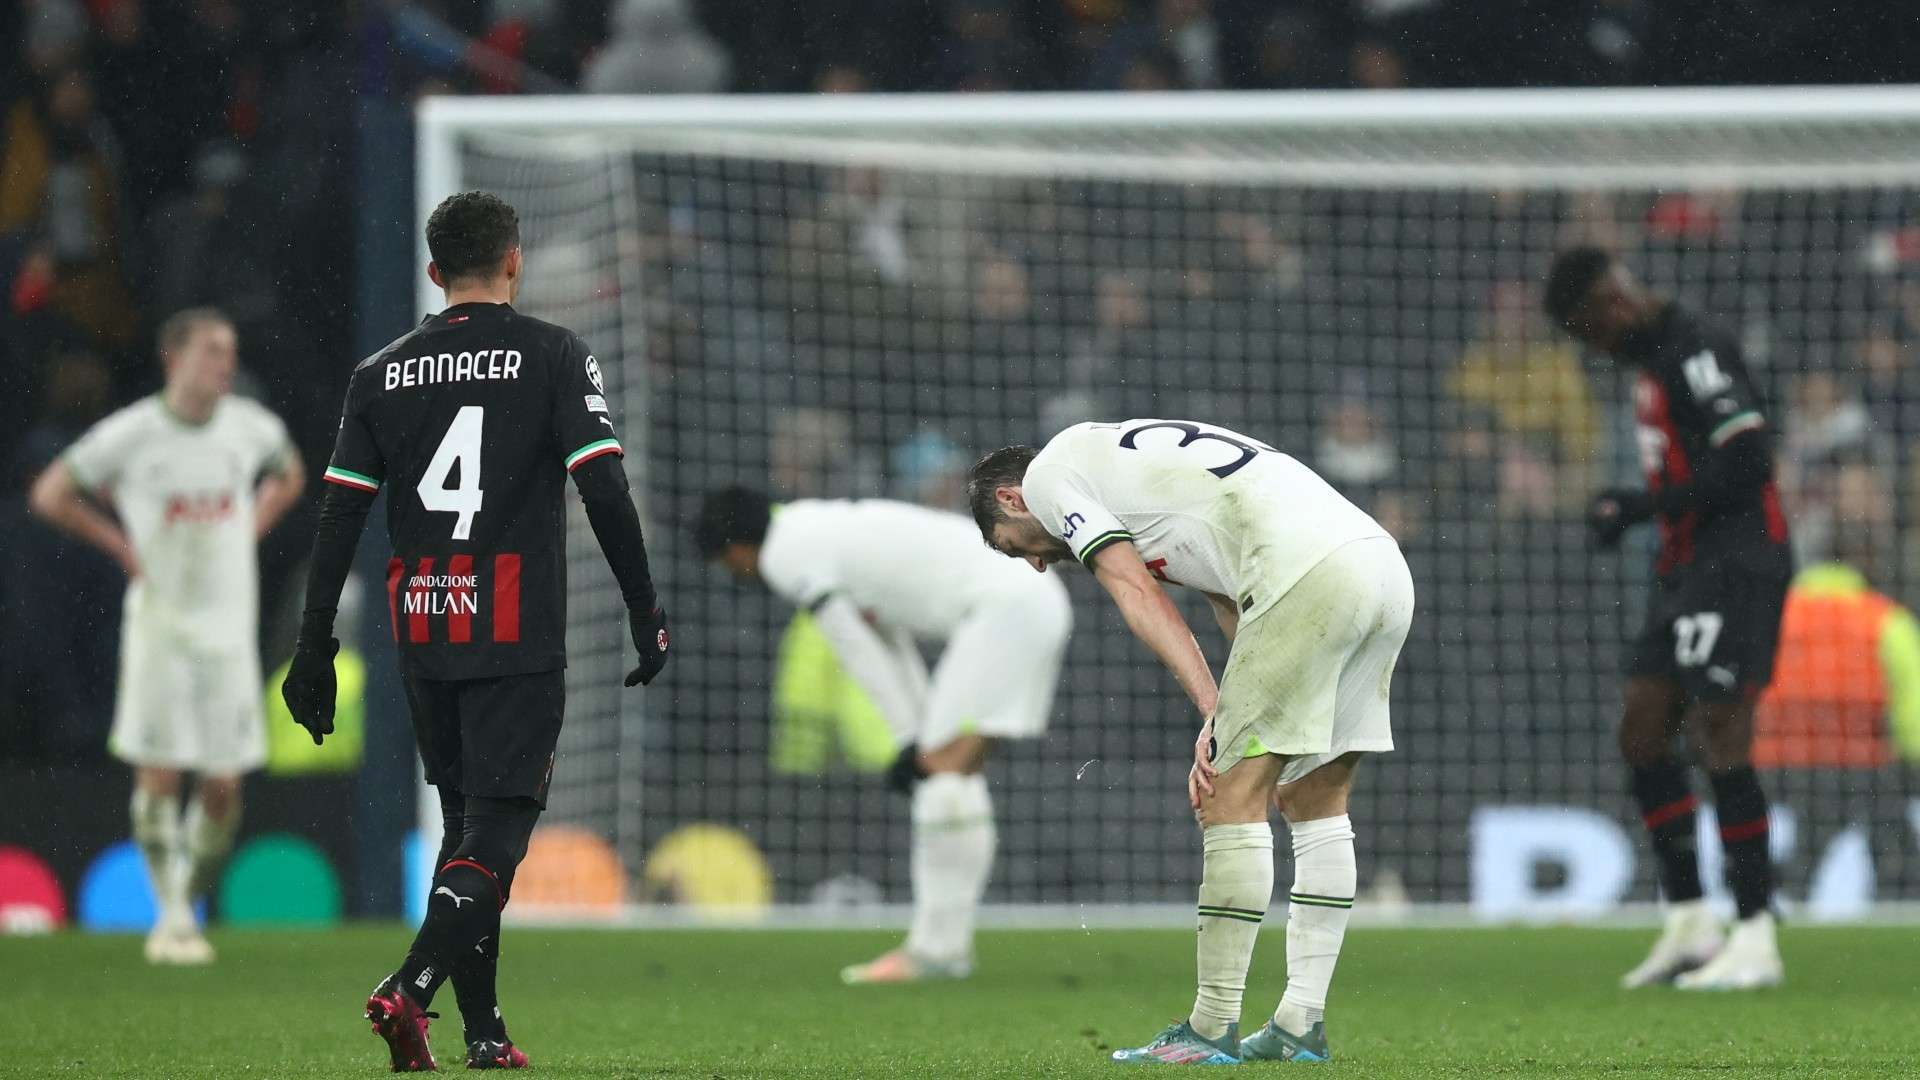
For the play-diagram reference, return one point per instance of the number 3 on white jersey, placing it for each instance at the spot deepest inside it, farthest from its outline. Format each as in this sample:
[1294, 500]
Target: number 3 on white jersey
[459, 446]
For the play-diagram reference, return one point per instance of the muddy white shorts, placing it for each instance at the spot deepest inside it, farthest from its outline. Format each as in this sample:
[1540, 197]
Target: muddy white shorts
[1308, 678]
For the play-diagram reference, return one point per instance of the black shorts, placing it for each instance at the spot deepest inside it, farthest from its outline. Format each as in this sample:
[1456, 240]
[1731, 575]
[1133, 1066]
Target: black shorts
[489, 737]
[1714, 629]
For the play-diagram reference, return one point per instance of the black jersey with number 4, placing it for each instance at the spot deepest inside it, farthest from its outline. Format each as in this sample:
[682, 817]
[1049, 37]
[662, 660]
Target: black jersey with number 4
[471, 423]
[1694, 395]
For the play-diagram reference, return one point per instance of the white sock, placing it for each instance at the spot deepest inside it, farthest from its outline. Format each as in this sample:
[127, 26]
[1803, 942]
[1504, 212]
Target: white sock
[1236, 884]
[953, 843]
[208, 841]
[156, 830]
[1324, 880]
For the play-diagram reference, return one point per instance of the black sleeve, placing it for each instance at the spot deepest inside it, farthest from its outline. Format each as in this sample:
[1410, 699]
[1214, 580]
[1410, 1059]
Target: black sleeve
[616, 525]
[352, 481]
[343, 513]
[357, 461]
[583, 428]
[1731, 474]
[1728, 411]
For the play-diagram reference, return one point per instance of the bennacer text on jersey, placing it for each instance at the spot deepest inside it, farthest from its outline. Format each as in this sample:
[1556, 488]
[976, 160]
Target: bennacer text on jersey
[453, 367]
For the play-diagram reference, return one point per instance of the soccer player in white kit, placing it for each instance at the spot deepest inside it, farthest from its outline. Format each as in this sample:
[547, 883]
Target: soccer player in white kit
[879, 577]
[1316, 600]
[195, 477]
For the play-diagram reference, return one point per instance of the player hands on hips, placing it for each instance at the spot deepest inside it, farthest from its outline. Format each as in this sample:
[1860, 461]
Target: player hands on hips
[1713, 622]
[195, 477]
[879, 577]
[1315, 601]
[473, 422]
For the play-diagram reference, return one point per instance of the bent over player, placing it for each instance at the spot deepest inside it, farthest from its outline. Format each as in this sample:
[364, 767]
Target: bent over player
[196, 477]
[1713, 623]
[879, 577]
[472, 422]
[1316, 600]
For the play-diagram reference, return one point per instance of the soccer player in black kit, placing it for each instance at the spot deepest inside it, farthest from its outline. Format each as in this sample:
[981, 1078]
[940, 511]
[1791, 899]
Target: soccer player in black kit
[1713, 622]
[472, 422]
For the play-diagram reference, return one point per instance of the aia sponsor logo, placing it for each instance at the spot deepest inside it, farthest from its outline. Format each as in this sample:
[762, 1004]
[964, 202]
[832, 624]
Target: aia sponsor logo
[199, 508]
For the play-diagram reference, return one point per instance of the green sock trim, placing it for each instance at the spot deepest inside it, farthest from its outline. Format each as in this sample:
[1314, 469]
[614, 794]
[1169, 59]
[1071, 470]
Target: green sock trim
[1209, 911]
[1311, 900]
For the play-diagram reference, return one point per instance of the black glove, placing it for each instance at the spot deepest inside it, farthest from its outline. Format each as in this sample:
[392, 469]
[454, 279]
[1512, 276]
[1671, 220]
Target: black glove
[309, 688]
[1613, 512]
[906, 770]
[650, 637]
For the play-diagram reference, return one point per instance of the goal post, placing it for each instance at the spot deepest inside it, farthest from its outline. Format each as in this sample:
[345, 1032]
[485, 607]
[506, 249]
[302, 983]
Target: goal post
[833, 296]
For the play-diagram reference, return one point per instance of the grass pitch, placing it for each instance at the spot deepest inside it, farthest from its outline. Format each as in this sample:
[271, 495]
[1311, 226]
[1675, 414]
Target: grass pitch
[711, 1005]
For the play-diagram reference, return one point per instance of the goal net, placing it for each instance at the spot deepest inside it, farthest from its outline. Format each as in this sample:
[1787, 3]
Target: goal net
[857, 297]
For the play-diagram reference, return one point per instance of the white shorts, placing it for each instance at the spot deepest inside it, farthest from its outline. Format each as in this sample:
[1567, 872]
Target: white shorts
[1309, 677]
[188, 709]
[998, 673]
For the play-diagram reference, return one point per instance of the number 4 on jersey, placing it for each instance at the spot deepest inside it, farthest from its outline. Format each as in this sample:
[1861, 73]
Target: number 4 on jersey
[459, 446]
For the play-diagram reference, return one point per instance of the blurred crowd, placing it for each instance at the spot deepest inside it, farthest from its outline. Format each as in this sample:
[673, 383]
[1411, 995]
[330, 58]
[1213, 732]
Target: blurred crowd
[164, 153]
[1394, 339]
[712, 46]
[853, 331]
[154, 155]
[161, 153]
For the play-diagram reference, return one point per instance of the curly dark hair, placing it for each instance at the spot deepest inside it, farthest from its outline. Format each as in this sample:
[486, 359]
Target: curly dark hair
[1005, 467]
[734, 515]
[469, 233]
[1574, 273]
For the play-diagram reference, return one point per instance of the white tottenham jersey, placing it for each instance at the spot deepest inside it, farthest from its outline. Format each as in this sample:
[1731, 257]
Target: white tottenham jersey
[184, 494]
[1205, 507]
[905, 566]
